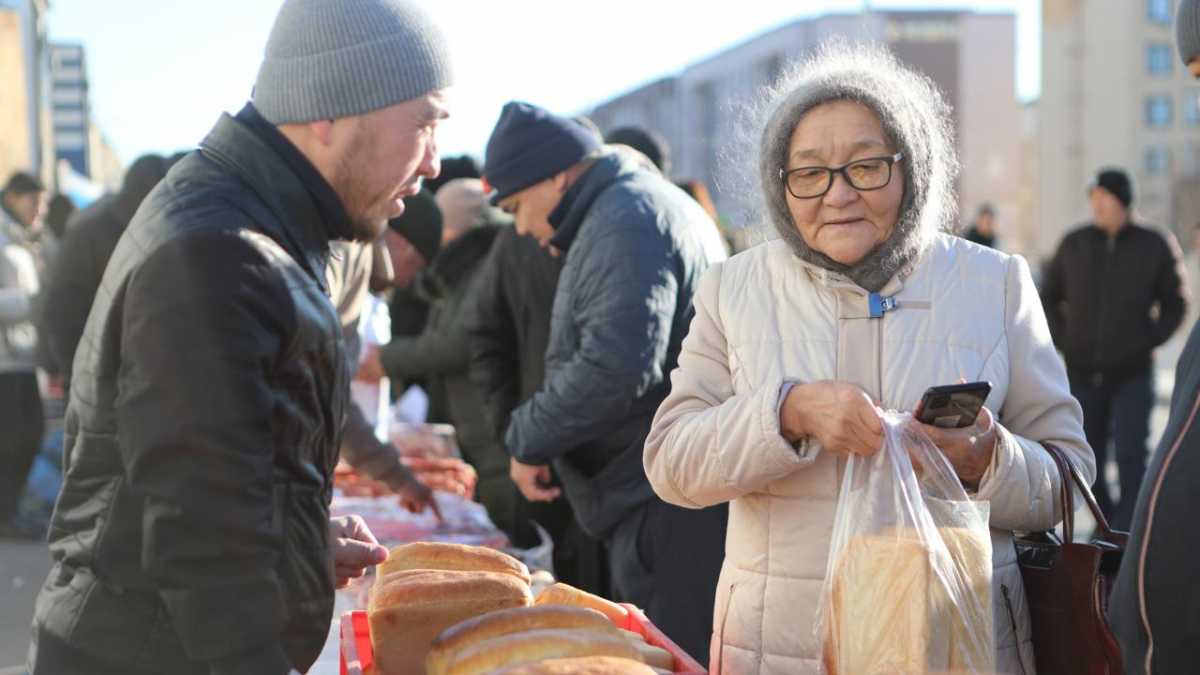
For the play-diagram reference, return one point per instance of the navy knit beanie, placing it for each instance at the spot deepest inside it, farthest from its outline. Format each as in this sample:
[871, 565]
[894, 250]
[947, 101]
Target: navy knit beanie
[529, 145]
[1117, 183]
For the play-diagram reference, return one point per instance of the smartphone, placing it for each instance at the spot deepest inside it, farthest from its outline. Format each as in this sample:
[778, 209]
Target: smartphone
[953, 406]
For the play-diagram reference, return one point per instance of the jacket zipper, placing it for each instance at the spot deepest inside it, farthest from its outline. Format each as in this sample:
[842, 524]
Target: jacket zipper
[1012, 617]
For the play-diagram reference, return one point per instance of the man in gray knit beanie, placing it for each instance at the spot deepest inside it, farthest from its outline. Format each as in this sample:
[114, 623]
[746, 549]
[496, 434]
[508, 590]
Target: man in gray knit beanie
[193, 533]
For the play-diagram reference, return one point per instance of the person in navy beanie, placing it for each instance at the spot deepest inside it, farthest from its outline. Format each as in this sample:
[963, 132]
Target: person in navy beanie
[193, 533]
[633, 249]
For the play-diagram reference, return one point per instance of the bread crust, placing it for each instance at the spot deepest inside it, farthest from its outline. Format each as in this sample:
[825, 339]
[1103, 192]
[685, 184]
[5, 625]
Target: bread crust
[455, 639]
[440, 556]
[565, 594]
[539, 645]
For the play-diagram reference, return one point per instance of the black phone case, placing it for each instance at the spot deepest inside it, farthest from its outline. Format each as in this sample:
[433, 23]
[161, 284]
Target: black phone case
[953, 406]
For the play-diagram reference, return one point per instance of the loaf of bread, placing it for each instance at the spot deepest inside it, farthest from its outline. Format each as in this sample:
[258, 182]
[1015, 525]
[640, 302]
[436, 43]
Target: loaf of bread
[406, 610]
[496, 624]
[437, 556]
[565, 594]
[583, 665]
[889, 610]
[539, 645]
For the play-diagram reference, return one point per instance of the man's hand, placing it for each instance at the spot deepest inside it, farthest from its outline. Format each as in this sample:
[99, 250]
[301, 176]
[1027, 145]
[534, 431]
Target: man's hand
[370, 369]
[354, 548]
[448, 474]
[534, 481]
[414, 495]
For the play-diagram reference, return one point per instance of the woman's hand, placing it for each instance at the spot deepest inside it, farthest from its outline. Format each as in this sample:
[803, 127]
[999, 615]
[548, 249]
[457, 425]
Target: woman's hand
[969, 449]
[839, 416]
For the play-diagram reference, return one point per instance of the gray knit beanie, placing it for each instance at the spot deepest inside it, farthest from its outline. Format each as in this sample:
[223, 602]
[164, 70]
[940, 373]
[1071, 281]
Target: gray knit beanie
[1187, 30]
[327, 59]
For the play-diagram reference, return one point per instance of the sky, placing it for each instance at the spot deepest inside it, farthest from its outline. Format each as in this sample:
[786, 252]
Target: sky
[161, 71]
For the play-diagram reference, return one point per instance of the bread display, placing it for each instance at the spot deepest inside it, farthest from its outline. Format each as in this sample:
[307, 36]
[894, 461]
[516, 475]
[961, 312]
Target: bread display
[564, 594]
[438, 556]
[584, 665]
[889, 612]
[407, 609]
[539, 645]
[496, 624]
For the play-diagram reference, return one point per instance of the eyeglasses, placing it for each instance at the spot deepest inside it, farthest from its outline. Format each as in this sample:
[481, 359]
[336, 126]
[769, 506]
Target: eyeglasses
[809, 182]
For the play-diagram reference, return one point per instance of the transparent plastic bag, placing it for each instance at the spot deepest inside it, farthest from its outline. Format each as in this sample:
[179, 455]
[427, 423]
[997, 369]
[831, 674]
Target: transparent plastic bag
[908, 585]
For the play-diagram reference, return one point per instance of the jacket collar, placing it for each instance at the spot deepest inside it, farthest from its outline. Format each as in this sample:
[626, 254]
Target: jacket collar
[299, 222]
[568, 217]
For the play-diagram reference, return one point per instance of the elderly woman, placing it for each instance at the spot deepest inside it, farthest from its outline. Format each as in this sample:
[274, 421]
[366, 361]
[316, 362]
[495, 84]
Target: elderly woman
[863, 300]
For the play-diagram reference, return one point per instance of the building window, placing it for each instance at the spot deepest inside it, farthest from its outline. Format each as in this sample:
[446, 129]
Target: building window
[1159, 11]
[1158, 111]
[1158, 160]
[1191, 108]
[1160, 58]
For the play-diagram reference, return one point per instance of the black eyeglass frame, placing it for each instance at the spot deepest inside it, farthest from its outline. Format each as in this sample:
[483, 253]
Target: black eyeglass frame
[830, 170]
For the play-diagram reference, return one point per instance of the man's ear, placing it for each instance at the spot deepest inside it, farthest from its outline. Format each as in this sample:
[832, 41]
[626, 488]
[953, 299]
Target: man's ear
[561, 182]
[323, 131]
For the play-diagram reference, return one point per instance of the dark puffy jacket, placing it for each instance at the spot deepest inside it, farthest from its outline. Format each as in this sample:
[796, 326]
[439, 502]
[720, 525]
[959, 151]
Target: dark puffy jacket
[83, 255]
[635, 248]
[1155, 606]
[509, 324]
[192, 531]
[1098, 293]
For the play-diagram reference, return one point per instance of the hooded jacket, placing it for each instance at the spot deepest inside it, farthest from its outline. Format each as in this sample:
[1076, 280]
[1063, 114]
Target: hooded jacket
[783, 313]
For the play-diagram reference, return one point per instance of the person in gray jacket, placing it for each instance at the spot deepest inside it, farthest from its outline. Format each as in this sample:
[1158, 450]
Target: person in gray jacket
[633, 249]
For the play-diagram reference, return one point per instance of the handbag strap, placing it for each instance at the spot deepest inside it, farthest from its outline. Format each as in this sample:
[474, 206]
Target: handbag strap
[1068, 474]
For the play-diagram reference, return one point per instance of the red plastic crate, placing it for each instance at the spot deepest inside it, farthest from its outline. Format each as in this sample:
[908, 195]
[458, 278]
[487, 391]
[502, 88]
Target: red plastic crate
[357, 656]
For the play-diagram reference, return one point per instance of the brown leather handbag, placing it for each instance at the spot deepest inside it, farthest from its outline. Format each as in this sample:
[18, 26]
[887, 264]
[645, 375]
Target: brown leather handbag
[1067, 584]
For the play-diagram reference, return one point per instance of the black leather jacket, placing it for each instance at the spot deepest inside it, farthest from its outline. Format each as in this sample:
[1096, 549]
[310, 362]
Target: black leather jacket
[209, 392]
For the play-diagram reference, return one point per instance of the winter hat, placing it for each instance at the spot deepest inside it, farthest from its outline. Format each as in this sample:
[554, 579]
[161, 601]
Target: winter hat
[650, 144]
[529, 145]
[1116, 182]
[327, 59]
[1187, 30]
[420, 224]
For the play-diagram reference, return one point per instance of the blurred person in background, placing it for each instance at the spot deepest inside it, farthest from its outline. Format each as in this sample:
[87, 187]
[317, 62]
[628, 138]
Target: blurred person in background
[59, 210]
[453, 168]
[1113, 293]
[633, 248]
[649, 143]
[982, 230]
[22, 202]
[793, 351]
[84, 253]
[439, 356]
[352, 267]
[1156, 601]
[193, 532]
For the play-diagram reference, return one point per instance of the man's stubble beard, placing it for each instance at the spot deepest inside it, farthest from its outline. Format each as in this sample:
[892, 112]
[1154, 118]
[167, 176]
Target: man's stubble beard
[349, 183]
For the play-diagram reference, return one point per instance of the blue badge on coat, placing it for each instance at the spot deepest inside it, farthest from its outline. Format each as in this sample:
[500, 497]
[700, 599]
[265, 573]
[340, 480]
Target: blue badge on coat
[878, 305]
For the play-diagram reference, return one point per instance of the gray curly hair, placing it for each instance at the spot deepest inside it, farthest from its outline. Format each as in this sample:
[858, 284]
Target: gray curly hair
[915, 118]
